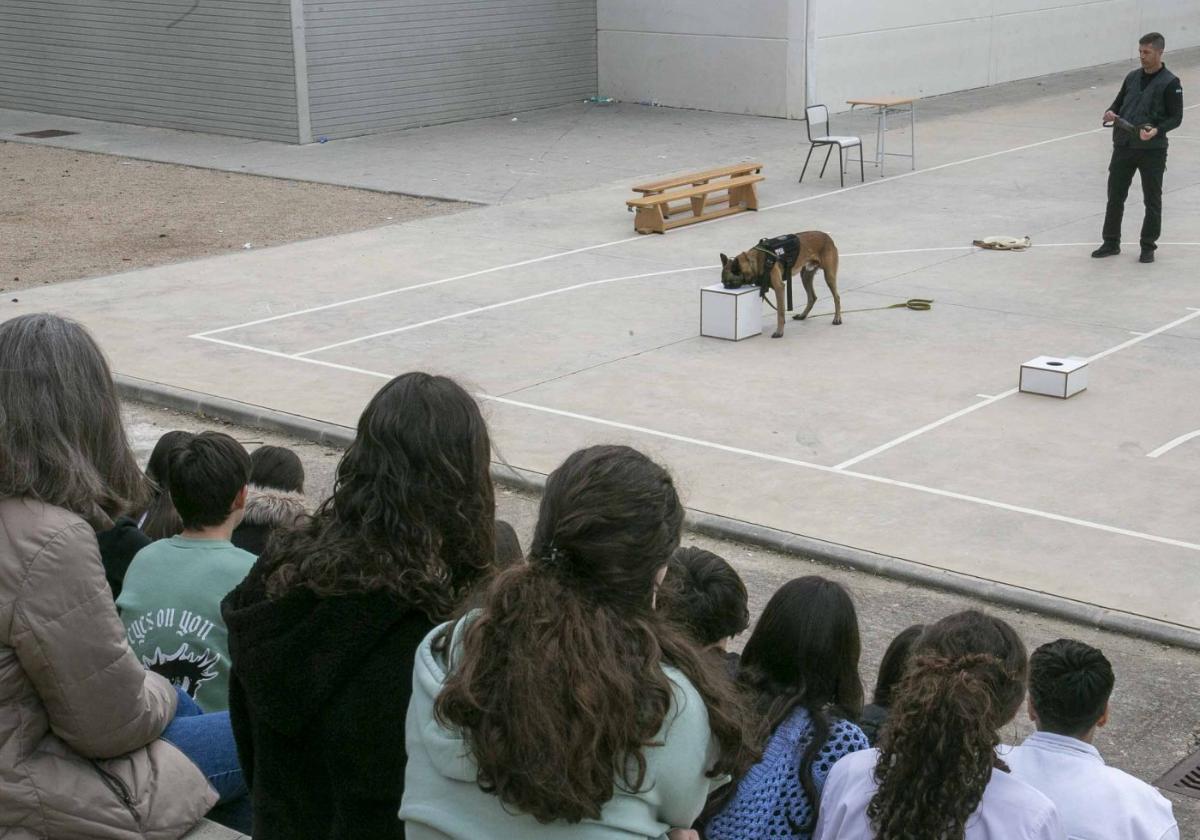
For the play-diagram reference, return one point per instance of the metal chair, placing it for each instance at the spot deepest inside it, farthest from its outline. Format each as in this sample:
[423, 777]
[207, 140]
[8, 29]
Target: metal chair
[819, 115]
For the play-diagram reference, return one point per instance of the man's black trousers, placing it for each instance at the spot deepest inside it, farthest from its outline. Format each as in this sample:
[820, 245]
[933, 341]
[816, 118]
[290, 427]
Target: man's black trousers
[1151, 163]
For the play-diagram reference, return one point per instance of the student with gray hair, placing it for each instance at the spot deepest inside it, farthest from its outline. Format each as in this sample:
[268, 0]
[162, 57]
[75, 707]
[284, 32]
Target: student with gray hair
[92, 745]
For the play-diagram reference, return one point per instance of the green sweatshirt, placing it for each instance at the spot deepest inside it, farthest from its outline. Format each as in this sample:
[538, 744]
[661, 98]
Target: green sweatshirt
[442, 800]
[171, 607]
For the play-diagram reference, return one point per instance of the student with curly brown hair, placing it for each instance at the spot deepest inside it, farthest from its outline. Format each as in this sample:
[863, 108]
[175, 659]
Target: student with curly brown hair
[323, 631]
[801, 664]
[567, 706]
[935, 773]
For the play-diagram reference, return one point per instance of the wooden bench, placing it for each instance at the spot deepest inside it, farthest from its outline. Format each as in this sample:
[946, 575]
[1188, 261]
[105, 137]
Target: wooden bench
[734, 186]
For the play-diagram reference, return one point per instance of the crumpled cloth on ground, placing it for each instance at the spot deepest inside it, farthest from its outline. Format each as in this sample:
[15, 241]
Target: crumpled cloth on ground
[1003, 243]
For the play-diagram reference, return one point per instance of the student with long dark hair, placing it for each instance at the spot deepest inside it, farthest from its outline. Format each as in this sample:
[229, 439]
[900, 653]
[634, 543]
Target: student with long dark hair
[92, 745]
[891, 670]
[161, 521]
[935, 773]
[323, 631]
[567, 706]
[801, 665]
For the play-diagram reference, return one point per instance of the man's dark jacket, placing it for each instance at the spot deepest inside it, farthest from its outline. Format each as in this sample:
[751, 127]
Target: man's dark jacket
[318, 694]
[1143, 100]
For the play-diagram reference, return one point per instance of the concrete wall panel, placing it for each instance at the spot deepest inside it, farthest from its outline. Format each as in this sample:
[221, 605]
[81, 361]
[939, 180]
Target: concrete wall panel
[737, 75]
[937, 46]
[851, 17]
[1037, 43]
[1179, 22]
[733, 18]
[918, 61]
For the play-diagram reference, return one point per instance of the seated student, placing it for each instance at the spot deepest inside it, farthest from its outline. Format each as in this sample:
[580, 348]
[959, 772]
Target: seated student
[324, 629]
[1069, 686]
[567, 706]
[891, 669]
[508, 545]
[171, 602]
[705, 595]
[118, 546]
[801, 663]
[935, 773]
[121, 543]
[160, 520]
[274, 499]
[92, 745]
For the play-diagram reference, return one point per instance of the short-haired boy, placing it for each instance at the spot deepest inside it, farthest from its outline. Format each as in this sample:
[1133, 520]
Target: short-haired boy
[1069, 686]
[171, 601]
[705, 596]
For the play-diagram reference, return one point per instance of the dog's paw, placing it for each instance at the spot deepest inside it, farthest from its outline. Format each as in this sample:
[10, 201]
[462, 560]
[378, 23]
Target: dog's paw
[777, 335]
[797, 317]
[837, 321]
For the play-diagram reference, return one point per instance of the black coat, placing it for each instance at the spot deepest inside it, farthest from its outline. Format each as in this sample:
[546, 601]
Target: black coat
[318, 693]
[118, 545]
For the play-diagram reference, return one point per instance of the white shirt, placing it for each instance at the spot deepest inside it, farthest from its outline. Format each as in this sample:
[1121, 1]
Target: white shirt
[1009, 810]
[1096, 802]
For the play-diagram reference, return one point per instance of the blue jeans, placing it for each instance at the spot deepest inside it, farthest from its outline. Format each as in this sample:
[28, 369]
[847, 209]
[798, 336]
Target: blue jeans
[207, 739]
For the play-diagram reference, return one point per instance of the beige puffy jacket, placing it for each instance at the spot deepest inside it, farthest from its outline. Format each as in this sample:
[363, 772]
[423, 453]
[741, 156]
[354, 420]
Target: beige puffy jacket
[79, 716]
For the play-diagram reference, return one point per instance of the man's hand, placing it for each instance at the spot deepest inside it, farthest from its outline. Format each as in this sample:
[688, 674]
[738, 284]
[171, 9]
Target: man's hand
[1148, 134]
[1110, 116]
[682, 834]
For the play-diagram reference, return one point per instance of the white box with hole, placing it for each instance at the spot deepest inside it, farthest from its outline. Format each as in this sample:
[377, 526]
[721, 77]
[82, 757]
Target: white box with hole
[733, 314]
[1054, 377]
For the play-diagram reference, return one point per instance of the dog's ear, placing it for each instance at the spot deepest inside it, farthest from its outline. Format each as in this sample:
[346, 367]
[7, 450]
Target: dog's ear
[724, 261]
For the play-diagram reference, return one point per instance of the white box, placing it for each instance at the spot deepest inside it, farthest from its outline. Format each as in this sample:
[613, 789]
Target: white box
[1053, 376]
[734, 314]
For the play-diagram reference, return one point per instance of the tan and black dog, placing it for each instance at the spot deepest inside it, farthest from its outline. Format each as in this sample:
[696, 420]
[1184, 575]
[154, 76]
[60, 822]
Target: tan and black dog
[771, 260]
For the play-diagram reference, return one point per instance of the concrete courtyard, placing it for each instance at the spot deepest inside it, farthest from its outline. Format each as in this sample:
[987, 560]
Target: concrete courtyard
[898, 432]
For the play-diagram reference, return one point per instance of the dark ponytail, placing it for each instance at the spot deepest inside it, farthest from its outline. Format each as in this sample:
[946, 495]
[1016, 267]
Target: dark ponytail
[937, 750]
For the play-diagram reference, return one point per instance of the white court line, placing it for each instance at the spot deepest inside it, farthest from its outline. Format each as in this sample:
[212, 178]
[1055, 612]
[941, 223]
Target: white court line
[989, 401]
[413, 287]
[764, 456]
[348, 368]
[467, 312]
[499, 305]
[1171, 444]
[927, 427]
[639, 236]
[908, 485]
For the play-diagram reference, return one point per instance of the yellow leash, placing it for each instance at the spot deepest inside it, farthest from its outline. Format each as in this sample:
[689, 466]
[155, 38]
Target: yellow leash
[915, 304]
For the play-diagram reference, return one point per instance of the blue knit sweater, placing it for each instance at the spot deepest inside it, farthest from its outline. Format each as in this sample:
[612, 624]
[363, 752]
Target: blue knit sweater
[770, 801]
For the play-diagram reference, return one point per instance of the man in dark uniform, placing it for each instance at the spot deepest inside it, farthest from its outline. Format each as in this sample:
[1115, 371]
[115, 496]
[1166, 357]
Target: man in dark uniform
[1151, 101]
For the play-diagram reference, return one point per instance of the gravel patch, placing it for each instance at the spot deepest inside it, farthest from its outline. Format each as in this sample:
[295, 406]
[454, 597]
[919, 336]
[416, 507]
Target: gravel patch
[67, 215]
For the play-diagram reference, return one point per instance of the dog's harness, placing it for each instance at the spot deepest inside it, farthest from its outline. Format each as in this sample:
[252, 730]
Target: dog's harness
[784, 250]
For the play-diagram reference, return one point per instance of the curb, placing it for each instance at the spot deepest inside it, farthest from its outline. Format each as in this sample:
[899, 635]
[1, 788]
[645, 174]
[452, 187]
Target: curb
[708, 524]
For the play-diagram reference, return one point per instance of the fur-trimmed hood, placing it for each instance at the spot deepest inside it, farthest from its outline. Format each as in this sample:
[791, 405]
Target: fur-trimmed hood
[273, 508]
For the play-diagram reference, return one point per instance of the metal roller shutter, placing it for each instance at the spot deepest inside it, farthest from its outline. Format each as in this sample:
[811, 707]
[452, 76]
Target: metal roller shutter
[385, 64]
[223, 66]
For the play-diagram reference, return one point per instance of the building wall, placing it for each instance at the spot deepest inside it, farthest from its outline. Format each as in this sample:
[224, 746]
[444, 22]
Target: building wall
[748, 56]
[375, 65]
[223, 66]
[881, 47]
[740, 56]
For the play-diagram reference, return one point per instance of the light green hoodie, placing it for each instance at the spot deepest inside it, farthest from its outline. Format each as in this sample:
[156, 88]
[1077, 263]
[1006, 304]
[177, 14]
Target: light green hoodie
[442, 800]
